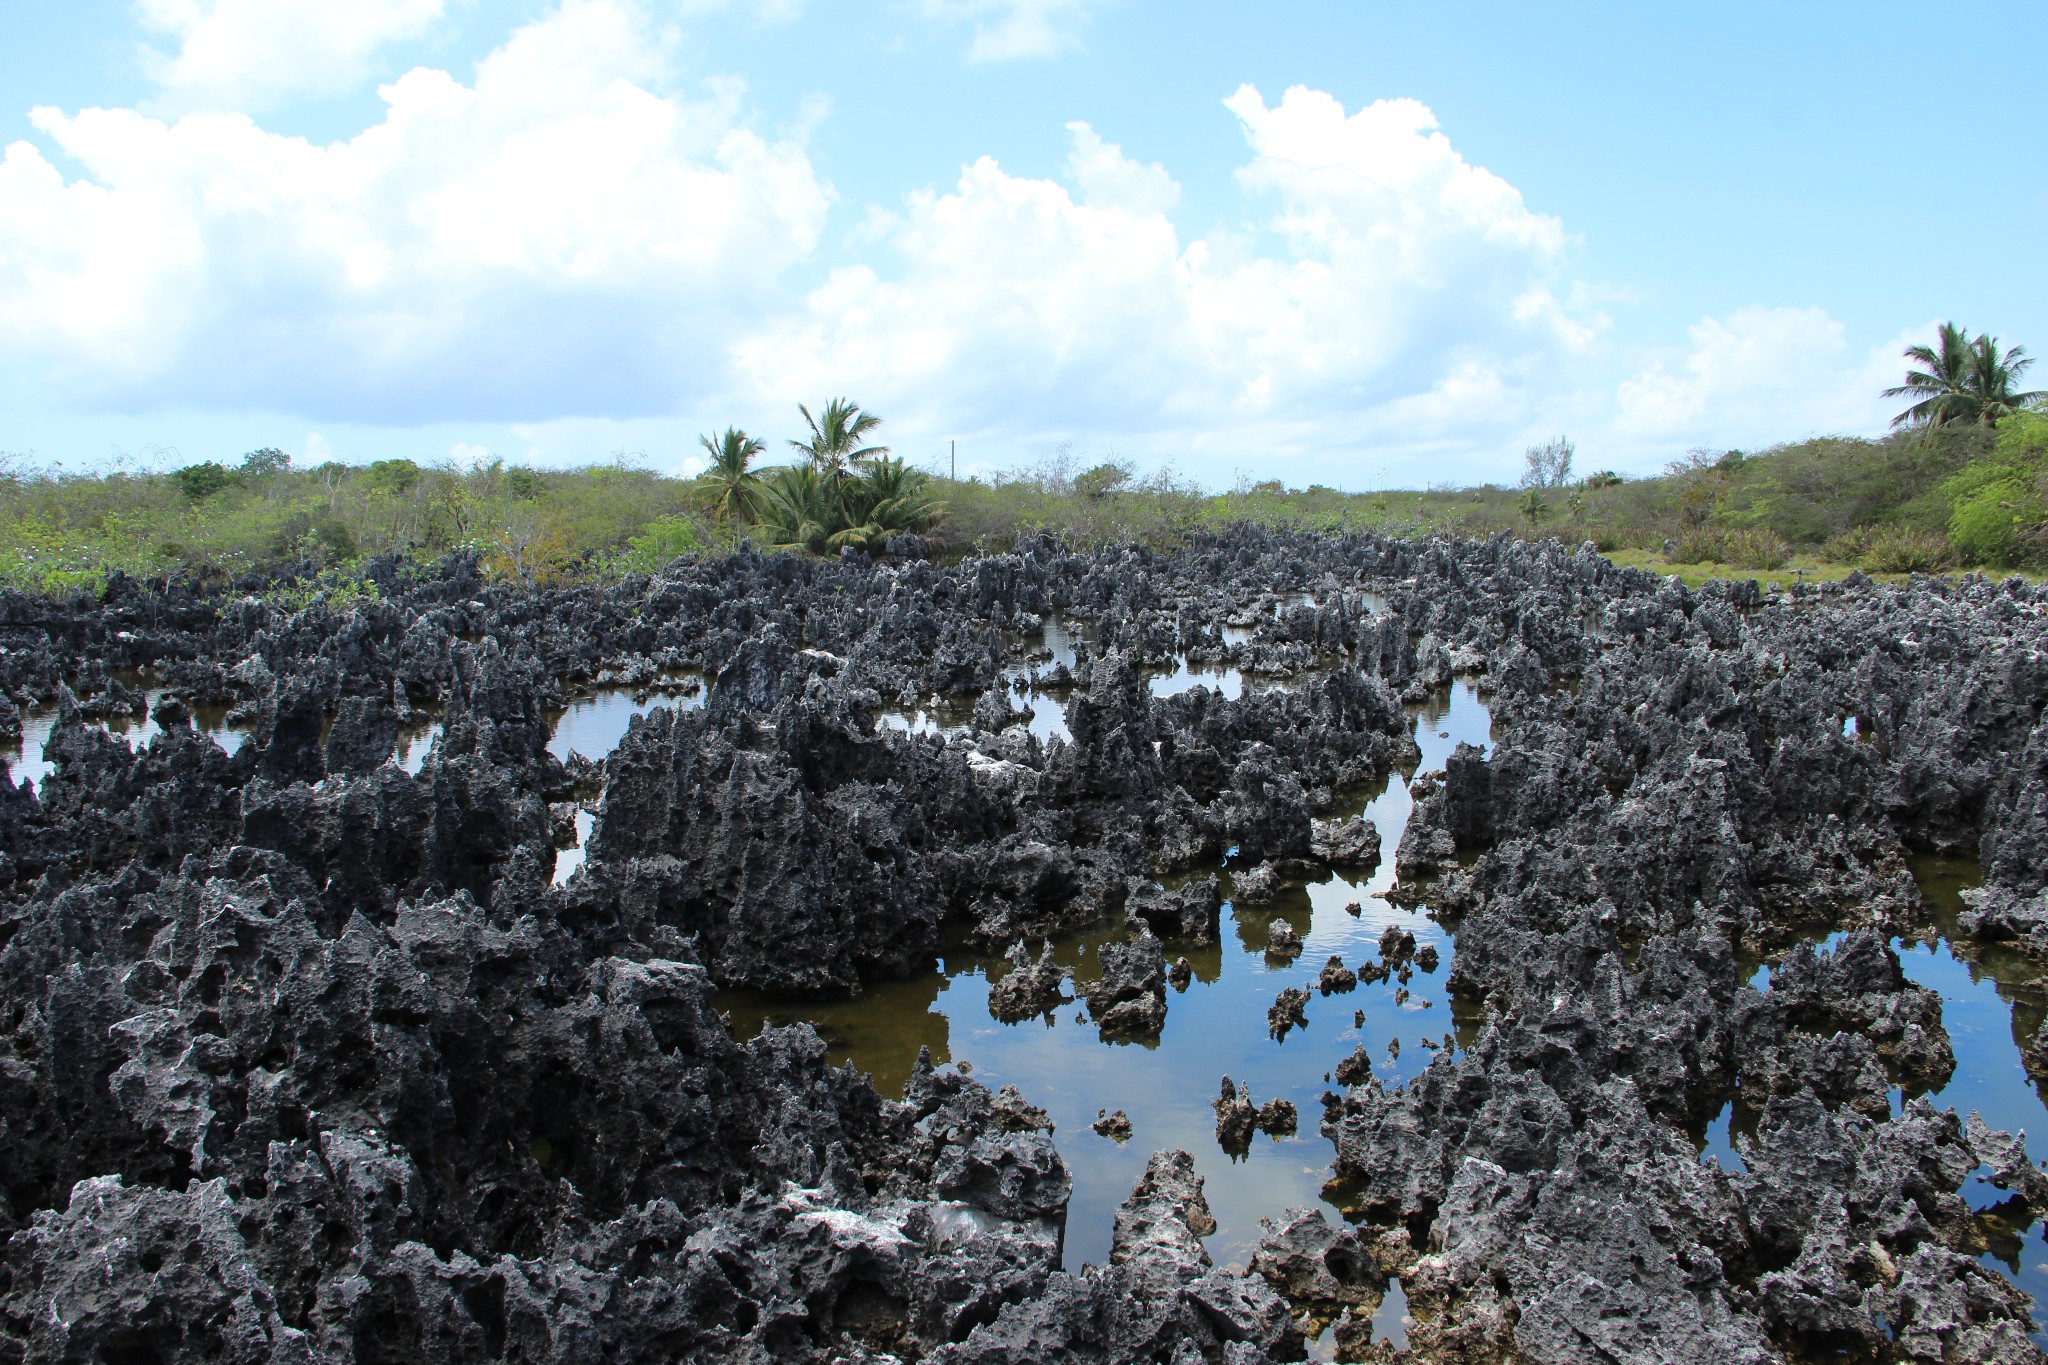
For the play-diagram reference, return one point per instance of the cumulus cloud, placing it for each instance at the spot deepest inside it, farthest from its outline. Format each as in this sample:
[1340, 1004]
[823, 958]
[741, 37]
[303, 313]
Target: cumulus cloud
[257, 54]
[762, 11]
[1005, 30]
[1390, 286]
[553, 238]
[561, 240]
[1760, 375]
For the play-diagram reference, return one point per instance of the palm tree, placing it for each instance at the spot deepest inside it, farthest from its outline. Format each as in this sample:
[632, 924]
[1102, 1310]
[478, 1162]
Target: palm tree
[729, 488]
[887, 501]
[801, 506]
[798, 507]
[836, 433]
[1962, 382]
[1993, 376]
[1941, 389]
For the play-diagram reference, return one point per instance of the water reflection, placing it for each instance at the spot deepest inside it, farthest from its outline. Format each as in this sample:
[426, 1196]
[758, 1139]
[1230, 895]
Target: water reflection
[25, 763]
[1187, 675]
[415, 742]
[569, 860]
[1217, 1026]
[593, 725]
[1991, 999]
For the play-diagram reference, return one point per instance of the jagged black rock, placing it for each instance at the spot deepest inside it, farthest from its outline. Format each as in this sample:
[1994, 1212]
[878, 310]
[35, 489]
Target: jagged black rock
[307, 1057]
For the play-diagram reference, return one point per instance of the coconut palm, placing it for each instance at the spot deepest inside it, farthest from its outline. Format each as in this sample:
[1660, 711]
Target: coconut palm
[797, 507]
[729, 488]
[803, 506]
[888, 500]
[1993, 377]
[836, 433]
[1940, 389]
[1962, 382]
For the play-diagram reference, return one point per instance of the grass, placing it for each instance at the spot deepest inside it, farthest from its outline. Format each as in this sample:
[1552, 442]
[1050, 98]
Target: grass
[1802, 569]
[1889, 507]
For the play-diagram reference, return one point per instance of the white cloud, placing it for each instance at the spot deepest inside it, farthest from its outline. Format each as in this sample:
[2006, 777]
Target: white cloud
[1760, 375]
[1005, 30]
[762, 11]
[565, 245]
[315, 450]
[258, 54]
[1109, 179]
[552, 238]
[1406, 292]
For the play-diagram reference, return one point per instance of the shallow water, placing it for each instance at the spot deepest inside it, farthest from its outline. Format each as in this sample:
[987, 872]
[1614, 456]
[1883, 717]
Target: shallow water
[594, 724]
[569, 860]
[25, 763]
[949, 717]
[1187, 676]
[414, 744]
[1989, 1000]
[1217, 1026]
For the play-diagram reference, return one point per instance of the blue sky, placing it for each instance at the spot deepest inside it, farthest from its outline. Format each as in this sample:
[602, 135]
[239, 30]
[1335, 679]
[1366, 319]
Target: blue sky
[1349, 243]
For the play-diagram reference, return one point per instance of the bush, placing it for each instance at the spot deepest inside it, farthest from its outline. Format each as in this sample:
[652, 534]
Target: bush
[1985, 525]
[1997, 511]
[1749, 547]
[1901, 549]
[665, 540]
[199, 482]
[394, 476]
[262, 464]
[1758, 548]
[1102, 480]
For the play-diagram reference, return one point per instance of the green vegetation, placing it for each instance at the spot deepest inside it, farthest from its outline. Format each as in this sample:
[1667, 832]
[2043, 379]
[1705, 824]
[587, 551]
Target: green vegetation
[62, 531]
[730, 490]
[843, 495]
[1962, 381]
[1964, 485]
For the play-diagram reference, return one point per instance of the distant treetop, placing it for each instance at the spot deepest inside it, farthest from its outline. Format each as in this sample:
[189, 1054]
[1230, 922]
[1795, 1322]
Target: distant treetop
[1963, 381]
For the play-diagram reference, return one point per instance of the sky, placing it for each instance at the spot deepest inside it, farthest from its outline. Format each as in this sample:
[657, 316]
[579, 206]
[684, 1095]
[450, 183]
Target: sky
[1325, 241]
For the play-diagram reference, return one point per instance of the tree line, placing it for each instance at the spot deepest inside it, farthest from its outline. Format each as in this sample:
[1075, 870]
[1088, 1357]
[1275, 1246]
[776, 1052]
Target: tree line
[1961, 482]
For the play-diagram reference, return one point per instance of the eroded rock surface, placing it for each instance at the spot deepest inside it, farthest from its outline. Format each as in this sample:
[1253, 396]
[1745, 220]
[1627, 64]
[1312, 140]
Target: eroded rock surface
[304, 1055]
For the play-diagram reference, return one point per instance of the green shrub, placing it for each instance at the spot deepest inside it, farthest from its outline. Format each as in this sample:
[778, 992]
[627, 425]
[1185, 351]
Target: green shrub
[1758, 547]
[394, 476]
[1993, 506]
[198, 482]
[1903, 549]
[1985, 523]
[665, 540]
[1747, 547]
[262, 464]
[1103, 480]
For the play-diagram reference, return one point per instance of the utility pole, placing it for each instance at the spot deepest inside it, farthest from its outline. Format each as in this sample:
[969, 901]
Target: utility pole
[953, 461]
